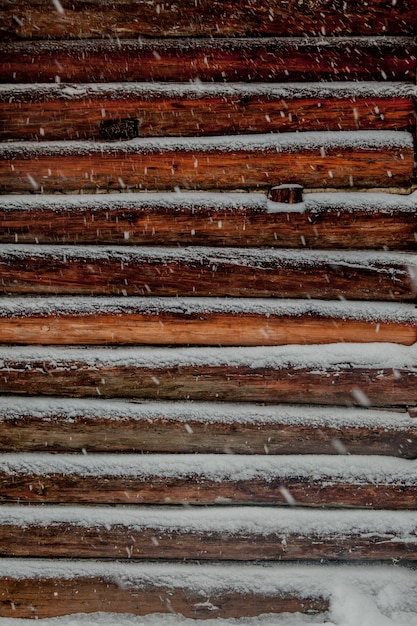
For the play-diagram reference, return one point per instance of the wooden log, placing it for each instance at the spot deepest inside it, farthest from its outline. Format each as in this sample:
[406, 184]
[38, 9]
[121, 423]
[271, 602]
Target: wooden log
[38, 424]
[285, 59]
[34, 112]
[333, 160]
[241, 534]
[50, 588]
[36, 19]
[349, 220]
[190, 271]
[29, 590]
[185, 321]
[316, 481]
[380, 375]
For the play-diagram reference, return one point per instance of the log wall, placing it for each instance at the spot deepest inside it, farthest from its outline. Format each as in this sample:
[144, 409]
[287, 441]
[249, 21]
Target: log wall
[208, 226]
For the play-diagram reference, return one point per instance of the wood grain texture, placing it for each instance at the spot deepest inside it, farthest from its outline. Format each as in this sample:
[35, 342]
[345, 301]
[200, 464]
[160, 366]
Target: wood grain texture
[159, 116]
[216, 168]
[36, 19]
[121, 541]
[54, 597]
[380, 387]
[76, 488]
[283, 59]
[34, 433]
[207, 329]
[134, 222]
[203, 273]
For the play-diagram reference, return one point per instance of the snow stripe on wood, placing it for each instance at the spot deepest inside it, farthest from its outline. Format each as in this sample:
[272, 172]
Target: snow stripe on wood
[383, 375]
[198, 271]
[202, 321]
[39, 20]
[310, 480]
[285, 59]
[326, 159]
[238, 533]
[127, 110]
[323, 220]
[53, 424]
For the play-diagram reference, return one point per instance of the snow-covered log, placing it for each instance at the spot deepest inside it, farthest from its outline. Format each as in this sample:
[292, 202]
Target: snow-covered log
[258, 59]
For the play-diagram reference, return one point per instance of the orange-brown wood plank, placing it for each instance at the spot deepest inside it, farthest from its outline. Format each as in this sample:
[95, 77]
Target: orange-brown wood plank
[332, 160]
[250, 60]
[37, 19]
[34, 424]
[209, 479]
[144, 110]
[330, 221]
[381, 375]
[209, 329]
[86, 270]
[253, 533]
[138, 321]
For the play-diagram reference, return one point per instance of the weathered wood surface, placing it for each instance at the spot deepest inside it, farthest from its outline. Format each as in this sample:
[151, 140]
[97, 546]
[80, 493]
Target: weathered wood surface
[249, 60]
[209, 479]
[65, 540]
[127, 111]
[245, 535]
[49, 588]
[118, 432]
[332, 160]
[225, 329]
[327, 221]
[295, 374]
[54, 597]
[82, 270]
[186, 321]
[37, 19]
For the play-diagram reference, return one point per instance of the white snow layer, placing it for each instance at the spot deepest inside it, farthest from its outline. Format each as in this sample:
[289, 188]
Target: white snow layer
[271, 142]
[340, 201]
[389, 526]
[69, 409]
[291, 91]
[382, 262]
[24, 306]
[338, 356]
[355, 470]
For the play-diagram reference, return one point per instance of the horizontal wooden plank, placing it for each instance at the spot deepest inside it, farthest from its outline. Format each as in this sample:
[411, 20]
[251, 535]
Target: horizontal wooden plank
[208, 59]
[186, 321]
[327, 220]
[36, 19]
[318, 160]
[202, 271]
[235, 533]
[317, 481]
[40, 424]
[50, 588]
[34, 598]
[380, 375]
[50, 112]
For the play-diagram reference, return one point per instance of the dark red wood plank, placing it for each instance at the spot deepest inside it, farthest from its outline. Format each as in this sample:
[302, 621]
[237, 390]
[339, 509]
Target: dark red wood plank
[327, 221]
[146, 110]
[207, 272]
[250, 60]
[38, 19]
